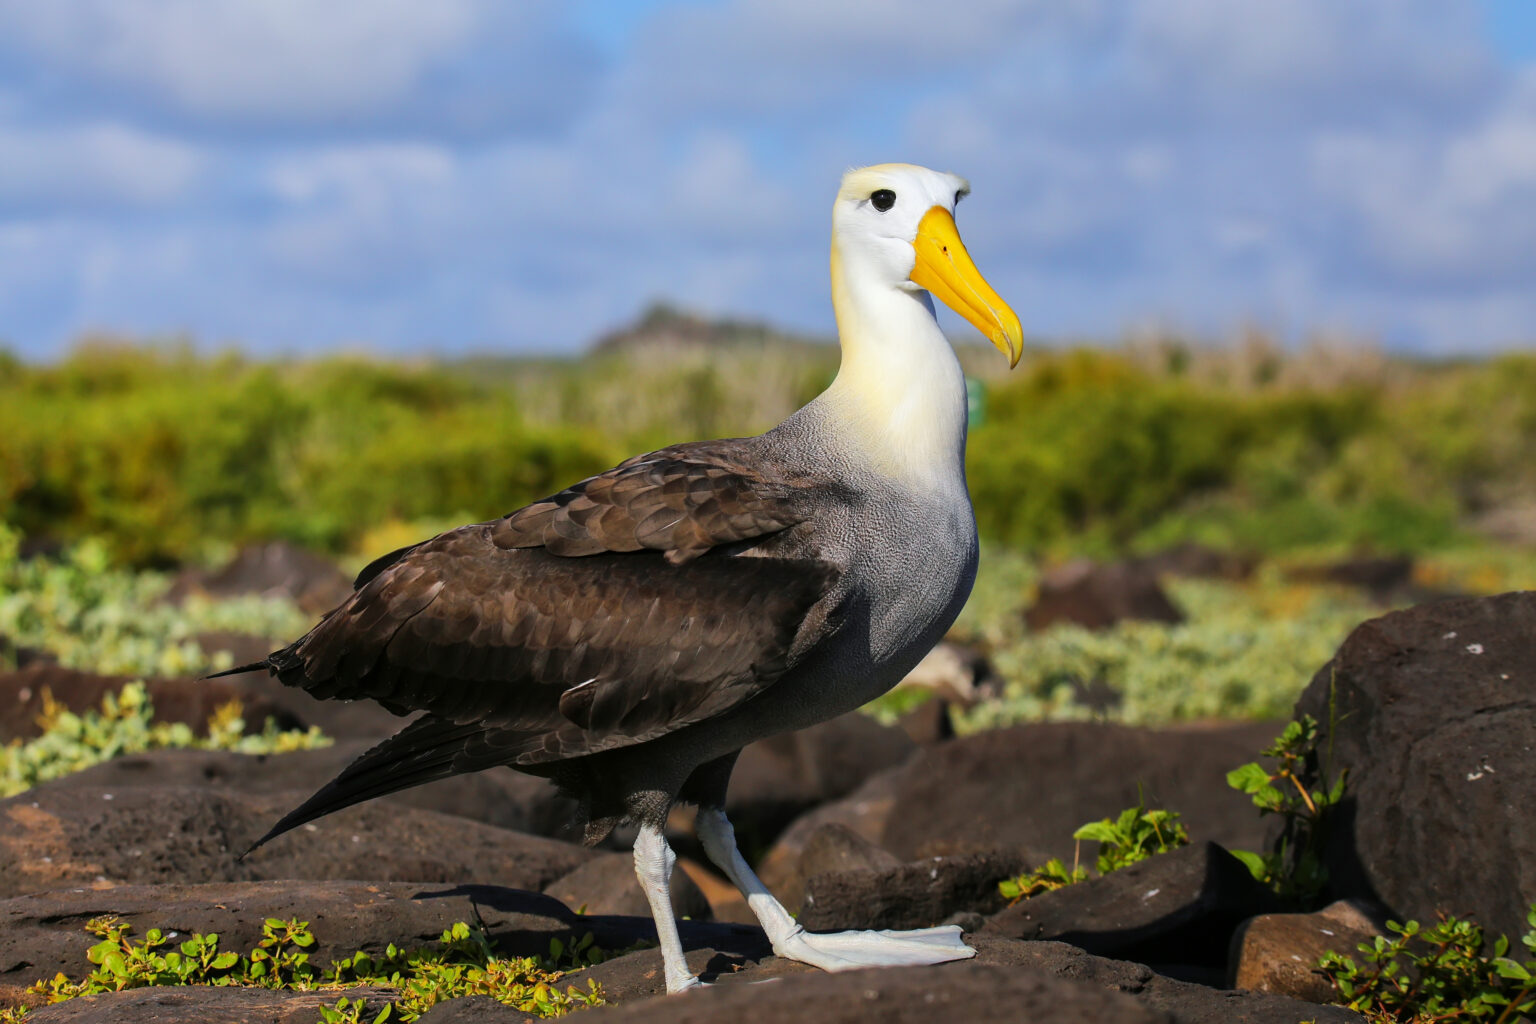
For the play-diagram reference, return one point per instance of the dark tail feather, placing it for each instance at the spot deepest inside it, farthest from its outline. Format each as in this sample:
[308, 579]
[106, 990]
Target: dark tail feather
[424, 751]
[265, 663]
[278, 663]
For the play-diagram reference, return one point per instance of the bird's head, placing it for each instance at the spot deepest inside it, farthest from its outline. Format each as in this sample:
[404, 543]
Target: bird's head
[894, 225]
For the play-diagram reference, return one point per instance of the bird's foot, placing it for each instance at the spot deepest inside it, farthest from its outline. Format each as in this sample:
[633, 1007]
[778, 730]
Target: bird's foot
[845, 951]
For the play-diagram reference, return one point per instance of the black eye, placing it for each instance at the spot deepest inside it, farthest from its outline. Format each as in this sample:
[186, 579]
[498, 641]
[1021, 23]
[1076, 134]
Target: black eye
[959, 196]
[883, 199]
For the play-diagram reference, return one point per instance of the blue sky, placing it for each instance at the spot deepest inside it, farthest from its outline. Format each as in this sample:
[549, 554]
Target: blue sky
[474, 175]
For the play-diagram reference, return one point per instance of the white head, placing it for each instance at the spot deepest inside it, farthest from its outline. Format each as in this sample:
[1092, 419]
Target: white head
[893, 227]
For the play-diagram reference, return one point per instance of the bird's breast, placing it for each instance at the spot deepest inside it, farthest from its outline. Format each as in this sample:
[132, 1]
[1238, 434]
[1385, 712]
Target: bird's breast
[917, 576]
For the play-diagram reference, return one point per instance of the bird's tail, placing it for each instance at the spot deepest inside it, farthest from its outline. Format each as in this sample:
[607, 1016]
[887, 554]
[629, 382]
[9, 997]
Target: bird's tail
[426, 750]
[279, 663]
[252, 667]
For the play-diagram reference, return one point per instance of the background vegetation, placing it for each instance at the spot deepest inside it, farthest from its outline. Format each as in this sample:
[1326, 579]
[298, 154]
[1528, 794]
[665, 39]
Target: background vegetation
[122, 461]
[163, 453]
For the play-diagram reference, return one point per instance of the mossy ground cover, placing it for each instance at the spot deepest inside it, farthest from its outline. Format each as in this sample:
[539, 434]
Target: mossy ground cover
[95, 615]
[1246, 649]
[462, 963]
[125, 724]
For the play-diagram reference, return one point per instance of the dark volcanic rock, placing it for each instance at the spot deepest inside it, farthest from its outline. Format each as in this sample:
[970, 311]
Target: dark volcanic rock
[55, 836]
[863, 812]
[1175, 908]
[1097, 596]
[836, 847]
[1381, 576]
[1200, 562]
[498, 796]
[957, 992]
[928, 723]
[466, 1010]
[202, 1004]
[276, 569]
[778, 778]
[914, 895]
[606, 884]
[1187, 1003]
[1030, 787]
[985, 980]
[639, 975]
[1279, 952]
[43, 933]
[1435, 718]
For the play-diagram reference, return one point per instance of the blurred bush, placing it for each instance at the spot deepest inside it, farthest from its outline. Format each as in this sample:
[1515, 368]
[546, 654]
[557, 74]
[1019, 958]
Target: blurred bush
[1091, 450]
[168, 455]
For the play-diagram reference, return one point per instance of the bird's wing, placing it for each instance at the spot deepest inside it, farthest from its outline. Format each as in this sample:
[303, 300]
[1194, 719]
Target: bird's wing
[682, 500]
[585, 622]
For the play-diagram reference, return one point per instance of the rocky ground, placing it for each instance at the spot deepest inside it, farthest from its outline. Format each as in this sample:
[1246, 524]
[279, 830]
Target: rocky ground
[854, 824]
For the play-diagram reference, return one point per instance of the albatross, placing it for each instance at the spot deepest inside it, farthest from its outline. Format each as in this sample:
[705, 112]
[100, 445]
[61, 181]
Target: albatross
[627, 636]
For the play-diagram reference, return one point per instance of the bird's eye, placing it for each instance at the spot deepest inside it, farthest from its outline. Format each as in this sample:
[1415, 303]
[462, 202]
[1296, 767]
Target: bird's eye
[883, 199]
[959, 196]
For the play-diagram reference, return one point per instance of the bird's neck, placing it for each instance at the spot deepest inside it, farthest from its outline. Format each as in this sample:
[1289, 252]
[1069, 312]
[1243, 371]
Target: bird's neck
[899, 395]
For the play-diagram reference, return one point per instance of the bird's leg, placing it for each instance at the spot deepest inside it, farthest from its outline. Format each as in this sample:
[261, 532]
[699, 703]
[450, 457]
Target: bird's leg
[834, 951]
[654, 861]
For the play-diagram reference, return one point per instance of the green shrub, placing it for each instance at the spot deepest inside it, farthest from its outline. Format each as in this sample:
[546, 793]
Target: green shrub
[1294, 869]
[157, 450]
[1446, 972]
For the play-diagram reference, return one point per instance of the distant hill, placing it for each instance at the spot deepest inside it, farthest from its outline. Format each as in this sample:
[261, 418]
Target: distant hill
[665, 329]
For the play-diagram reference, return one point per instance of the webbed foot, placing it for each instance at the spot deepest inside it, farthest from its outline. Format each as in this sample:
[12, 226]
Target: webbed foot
[845, 951]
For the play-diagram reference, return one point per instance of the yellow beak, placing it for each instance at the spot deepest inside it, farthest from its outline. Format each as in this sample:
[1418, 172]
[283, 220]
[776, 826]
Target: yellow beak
[945, 269]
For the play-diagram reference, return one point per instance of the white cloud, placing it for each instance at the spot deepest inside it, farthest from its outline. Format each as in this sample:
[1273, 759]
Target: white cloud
[1454, 211]
[92, 165]
[448, 66]
[465, 172]
[235, 57]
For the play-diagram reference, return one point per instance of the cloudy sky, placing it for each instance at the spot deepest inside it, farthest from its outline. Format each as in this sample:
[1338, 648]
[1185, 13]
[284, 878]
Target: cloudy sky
[481, 175]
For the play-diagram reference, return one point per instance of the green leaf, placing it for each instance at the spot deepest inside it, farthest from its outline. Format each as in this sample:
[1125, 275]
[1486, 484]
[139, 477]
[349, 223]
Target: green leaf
[1248, 778]
[1255, 864]
[1507, 968]
[1098, 831]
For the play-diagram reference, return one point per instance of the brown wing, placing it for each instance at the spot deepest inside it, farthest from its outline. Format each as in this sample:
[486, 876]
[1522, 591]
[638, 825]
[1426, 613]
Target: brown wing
[584, 622]
[682, 500]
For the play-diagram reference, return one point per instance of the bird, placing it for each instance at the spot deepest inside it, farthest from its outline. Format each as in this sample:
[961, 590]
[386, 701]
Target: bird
[627, 636]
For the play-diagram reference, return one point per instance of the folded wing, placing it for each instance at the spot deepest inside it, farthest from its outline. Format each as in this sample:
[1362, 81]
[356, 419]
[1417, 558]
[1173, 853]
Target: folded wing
[605, 616]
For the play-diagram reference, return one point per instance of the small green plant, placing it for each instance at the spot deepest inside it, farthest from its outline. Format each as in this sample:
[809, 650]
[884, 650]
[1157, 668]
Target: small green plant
[350, 1011]
[125, 725]
[1134, 835]
[1294, 869]
[462, 963]
[1447, 972]
[1051, 875]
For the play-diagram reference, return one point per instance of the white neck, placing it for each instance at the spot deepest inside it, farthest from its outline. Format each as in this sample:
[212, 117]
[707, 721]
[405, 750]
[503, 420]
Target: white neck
[899, 395]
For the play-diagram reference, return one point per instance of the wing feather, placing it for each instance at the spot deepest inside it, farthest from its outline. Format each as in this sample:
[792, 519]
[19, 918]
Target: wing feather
[587, 621]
